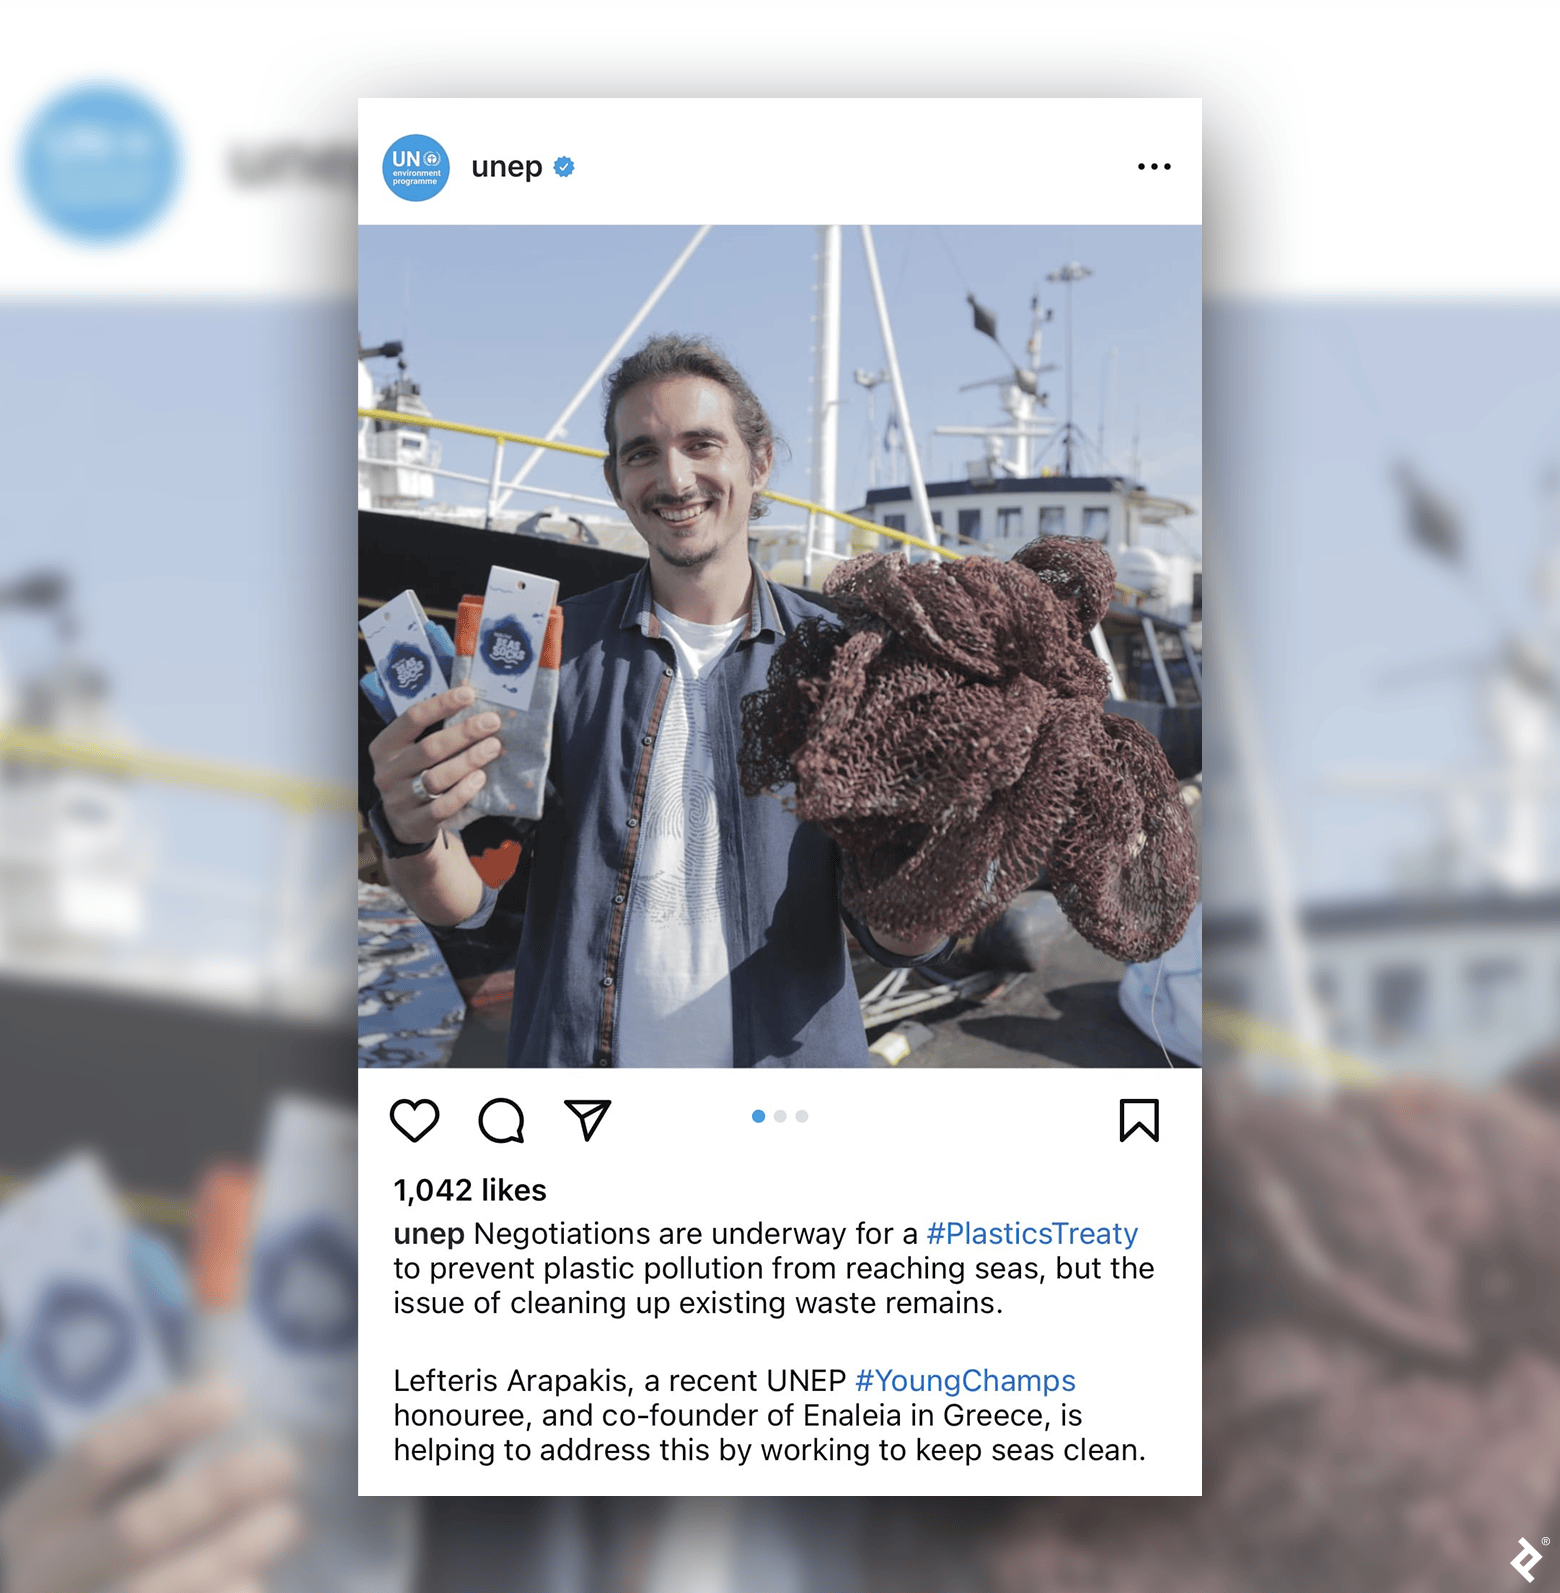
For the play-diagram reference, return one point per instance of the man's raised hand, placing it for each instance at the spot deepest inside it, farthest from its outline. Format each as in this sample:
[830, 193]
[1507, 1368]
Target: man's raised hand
[106, 1513]
[451, 763]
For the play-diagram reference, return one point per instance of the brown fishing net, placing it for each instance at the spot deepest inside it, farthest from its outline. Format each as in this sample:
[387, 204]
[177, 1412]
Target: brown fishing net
[949, 735]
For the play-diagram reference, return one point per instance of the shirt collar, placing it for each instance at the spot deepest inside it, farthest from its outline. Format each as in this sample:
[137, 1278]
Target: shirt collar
[763, 613]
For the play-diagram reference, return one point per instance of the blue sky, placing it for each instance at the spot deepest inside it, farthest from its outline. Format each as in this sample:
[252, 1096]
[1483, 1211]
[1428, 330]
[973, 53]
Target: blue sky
[1310, 406]
[503, 324]
[190, 468]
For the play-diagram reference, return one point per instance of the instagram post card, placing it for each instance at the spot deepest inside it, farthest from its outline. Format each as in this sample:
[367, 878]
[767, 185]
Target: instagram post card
[821, 611]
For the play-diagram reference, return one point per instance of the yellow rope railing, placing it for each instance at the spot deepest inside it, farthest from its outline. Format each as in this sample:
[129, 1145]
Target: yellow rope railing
[167, 1211]
[427, 421]
[1254, 1035]
[109, 757]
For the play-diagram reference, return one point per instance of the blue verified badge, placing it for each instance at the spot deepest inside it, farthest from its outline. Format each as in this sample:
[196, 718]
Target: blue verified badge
[404, 653]
[509, 641]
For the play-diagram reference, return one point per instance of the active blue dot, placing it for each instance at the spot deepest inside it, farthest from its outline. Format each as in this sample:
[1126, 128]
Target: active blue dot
[758, 1117]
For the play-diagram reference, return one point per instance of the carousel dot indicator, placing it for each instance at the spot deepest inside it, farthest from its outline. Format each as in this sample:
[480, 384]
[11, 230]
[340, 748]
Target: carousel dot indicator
[758, 1117]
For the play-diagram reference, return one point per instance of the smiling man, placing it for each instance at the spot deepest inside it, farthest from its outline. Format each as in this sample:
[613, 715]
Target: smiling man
[671, 921]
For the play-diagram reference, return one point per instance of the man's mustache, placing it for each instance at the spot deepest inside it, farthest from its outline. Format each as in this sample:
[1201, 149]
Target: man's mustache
[664, 500]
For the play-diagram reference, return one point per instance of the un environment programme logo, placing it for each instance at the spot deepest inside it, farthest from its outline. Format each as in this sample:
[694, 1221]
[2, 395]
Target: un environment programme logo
[100, 163]
[416, 167]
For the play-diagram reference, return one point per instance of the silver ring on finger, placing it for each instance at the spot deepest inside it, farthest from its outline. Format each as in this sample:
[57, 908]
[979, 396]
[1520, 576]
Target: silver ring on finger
[421, 791]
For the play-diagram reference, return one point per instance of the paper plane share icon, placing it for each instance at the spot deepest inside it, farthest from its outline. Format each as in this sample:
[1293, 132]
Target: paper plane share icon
[590, 1114]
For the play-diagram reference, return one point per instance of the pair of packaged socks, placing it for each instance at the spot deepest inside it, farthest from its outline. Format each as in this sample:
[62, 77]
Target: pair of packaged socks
[516, 786]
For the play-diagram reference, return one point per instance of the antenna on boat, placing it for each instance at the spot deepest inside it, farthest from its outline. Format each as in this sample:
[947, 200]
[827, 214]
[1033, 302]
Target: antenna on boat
[1067, 275]
[871, 380]
[1021, 397]
[1107, 383]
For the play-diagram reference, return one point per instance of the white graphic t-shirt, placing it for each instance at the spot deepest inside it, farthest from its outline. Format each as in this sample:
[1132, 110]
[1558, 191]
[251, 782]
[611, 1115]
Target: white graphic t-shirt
[675, 974]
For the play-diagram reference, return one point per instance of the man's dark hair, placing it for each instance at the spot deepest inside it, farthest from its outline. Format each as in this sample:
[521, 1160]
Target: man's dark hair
[673, 355]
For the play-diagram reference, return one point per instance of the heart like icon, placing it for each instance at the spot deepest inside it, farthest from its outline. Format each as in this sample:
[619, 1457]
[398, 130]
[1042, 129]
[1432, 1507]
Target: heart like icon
[414, 1118]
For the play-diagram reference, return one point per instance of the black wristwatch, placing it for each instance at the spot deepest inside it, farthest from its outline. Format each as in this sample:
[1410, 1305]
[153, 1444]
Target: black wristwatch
[389, 842]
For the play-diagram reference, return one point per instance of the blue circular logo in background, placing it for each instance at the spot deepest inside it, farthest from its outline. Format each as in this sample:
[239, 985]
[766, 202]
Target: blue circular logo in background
[305, 1288]
[100, 163]
[82, 1342]
[416, 167]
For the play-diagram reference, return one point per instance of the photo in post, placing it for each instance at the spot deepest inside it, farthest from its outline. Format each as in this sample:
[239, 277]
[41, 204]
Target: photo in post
[998, 908]
[814, 691]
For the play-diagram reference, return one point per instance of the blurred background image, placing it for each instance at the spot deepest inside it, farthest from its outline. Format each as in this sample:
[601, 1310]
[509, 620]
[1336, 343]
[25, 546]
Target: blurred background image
[1382, 1376]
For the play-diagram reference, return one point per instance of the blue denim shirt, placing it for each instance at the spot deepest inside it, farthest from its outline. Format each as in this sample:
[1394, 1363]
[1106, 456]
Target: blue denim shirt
[793, 1001]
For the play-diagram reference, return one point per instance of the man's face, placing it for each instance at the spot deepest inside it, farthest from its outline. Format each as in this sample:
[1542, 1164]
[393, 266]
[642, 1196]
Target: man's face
[684, 474]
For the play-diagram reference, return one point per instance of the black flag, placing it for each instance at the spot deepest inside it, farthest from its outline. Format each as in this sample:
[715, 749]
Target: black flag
[985, 321]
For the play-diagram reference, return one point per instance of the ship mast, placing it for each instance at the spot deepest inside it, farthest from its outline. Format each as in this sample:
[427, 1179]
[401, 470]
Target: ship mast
[826, 398]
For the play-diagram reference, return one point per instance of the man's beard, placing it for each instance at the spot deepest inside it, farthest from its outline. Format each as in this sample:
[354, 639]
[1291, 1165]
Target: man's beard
[678, 560]
[688, 561]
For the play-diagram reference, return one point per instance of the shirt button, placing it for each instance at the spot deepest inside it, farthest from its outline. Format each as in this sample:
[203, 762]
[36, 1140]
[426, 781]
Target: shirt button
[606, 984]
[645, 741]
[618, 900]
[668, 673]
[633, 824]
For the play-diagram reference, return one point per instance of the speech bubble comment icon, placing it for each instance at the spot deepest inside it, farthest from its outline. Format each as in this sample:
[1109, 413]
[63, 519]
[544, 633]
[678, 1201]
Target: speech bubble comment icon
[502, 1121]
[590, 1114]
[414, 1118]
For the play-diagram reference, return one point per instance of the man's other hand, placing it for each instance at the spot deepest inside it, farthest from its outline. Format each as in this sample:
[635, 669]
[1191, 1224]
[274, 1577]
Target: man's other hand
[107, 1513]
[451, 763]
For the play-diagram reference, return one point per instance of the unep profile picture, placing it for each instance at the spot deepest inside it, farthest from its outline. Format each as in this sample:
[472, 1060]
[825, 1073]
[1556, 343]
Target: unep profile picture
[99, 163]
[416, 167]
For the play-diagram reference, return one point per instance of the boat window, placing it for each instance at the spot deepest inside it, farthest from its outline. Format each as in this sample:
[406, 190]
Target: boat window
[969, 524]
[1096, 523]
[1495, 995]
[1010, 523]
[1399, 1004]
[1053, 521]
[937, 518]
